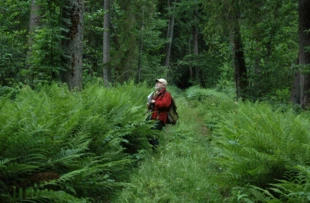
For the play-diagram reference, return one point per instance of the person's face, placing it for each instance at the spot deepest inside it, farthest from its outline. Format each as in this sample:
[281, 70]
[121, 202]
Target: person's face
[159, 86]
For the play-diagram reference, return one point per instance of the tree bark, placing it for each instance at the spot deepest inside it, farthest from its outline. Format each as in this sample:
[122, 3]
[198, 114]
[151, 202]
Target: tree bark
[169, 35]
[195, 44]
[73, 11]
[241, 78]
[106, 44]
[34, 19]
[304, 53]
[33, 24]
[191, 72]
[140, 49]
[295, 92]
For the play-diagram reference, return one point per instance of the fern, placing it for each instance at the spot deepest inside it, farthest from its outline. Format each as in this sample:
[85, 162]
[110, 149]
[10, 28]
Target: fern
[77, 138]
[42, 195]
[259, 145]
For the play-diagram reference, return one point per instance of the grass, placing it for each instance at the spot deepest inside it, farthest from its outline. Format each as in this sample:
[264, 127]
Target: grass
[180, 171]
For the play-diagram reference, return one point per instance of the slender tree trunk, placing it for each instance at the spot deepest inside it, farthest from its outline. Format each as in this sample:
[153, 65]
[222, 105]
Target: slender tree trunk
[191, 72]
[34, 19]
[33, 24]
[295, 92]
[304, 55]
[140, 50]
[106, 43]
[195, 43]
[169, 35]
[73, 11]
[241, 78]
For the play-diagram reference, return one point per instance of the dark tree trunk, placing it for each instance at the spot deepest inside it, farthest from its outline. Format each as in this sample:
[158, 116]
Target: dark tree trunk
[140, 51]
[191, 72]
[195, 44]
[169, 35]
[295, 92]
[241, 78]
[73, 12]
[106, 44]
[304, 54]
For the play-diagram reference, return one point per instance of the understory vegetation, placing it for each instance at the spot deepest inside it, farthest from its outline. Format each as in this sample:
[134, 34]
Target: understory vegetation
[92, 146]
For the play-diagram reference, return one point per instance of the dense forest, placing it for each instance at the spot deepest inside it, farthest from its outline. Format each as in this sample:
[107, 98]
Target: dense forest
[75, 74]
[259, 47]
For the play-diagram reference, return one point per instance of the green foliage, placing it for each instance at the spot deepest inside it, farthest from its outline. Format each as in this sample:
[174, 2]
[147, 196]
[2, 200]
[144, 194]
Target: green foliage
[13, 32]
[181, 169]
[210, 104]
[64, 146]
[208, 63]
[258, 146]
[136, 40]
[46, 52]
[268, 40]
[295, 188]
[69, 146]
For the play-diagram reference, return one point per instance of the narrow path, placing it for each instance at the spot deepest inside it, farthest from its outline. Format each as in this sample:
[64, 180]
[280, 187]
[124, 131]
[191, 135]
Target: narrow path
[179, 171]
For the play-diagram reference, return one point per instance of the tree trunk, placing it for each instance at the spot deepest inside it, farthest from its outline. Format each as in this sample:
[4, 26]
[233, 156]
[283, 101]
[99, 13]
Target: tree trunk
[304, 55]
[191, 72]
[169, 35]
[195, 44]
[73, 12]
[295, 92]
[106, 44]
[140, 50]
[33, 24]
[241, 78]
[34, 19]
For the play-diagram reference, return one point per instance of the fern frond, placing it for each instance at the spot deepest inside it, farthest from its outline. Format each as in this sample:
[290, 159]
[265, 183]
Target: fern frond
[43, 195]
[260, 144]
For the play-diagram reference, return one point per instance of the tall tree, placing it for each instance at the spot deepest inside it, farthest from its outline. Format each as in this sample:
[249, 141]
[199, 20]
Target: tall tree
[14, 19]
[106, 43]
[295, 91]
[228, 14]
[141, 47]
[304, 53]
[171, 8]
[195, 38]
[73, 11]
[241, 78]
[33, 21]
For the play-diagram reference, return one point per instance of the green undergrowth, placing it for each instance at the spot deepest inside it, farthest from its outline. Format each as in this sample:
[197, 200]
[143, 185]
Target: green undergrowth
[182, 168]
[66, 146]
[92, 146]
[227, 151]
[263, 154]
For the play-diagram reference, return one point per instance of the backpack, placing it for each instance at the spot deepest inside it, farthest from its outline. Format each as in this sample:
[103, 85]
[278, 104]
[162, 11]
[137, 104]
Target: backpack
[173, 115]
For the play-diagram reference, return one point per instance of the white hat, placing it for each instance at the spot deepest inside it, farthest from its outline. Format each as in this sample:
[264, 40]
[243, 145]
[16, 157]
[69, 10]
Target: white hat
[162, 81]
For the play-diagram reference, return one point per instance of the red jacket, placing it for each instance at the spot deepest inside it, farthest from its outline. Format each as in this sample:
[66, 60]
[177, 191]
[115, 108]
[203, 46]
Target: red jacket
[163, 101]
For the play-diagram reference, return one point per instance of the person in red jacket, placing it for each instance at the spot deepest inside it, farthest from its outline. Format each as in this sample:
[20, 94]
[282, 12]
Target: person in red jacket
[159, 104]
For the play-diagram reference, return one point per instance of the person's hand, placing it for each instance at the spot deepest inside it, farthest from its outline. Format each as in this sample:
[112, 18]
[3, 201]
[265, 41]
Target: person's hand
[153, 101]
